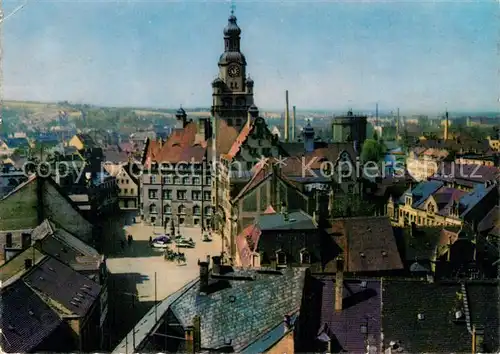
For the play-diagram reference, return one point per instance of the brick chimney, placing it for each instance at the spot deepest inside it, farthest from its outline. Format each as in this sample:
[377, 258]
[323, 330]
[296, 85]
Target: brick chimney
[217, 261]
[196, 334]
[28, 263]
[204, 274]
[8, 240]
[188, 337]
[25, 240]
[339, 284]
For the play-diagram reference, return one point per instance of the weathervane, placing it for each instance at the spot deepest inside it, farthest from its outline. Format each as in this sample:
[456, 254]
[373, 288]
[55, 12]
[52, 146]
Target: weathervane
[233, 6]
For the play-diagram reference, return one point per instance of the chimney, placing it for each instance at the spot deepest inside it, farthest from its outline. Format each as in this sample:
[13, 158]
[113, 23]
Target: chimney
[287, 321]
[8, 240]
[28, 263]
[477, 340]
[287, 113]
[446, 123]
[188, 337]
[293, 136]
[196, 334]
[203, 274]
[217, 263]
[25, 240]
[339, 284]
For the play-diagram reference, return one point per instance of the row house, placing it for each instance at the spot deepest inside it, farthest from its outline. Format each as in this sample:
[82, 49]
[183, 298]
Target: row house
[431, 203]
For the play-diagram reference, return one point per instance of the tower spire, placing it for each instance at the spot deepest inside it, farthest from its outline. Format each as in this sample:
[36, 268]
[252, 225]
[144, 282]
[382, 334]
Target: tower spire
[233, 7]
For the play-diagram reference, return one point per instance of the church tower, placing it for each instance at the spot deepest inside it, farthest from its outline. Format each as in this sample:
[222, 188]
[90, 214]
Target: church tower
[232, 91]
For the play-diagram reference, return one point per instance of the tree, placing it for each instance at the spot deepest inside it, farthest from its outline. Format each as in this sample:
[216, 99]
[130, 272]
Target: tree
[349, 206]
[373, 150]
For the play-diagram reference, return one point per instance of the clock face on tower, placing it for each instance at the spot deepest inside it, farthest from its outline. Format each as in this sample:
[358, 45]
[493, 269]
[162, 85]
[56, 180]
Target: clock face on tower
[234, 70]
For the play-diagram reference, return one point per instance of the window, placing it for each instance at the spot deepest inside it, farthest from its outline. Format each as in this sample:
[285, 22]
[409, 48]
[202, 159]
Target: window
[209, 181]
[196, 222]
[181, 195]
[207, 195]
[181, 221]
[229, 122]
[208, 210]
[167, 209]
[132, 191]
[181, 209]
[238, 122]
[167, 194]
[196, 210]
[125, 191]
[185, 180]
[196, 195]
[153, 179]
[177, 180]
[430, 208]
[196, 180]
[305, 257]
[153, 194]
[280, 258]
[167, 180]
[152, 209]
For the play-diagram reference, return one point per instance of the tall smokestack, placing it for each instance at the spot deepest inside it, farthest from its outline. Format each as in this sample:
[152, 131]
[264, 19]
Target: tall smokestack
[293, 124]
[398, 127]
[287, 117]
[376, 115]
[446, 123]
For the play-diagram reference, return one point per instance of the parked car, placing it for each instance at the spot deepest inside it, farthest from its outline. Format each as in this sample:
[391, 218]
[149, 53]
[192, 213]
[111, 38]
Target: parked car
[161, 241]
[183, 243]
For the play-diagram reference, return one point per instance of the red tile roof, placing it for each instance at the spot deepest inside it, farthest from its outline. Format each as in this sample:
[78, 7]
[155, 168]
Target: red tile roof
[242, 137]
[180, 146]
[270, 210]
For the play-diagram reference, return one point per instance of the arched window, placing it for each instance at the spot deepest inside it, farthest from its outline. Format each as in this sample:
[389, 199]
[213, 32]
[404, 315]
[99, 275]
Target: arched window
[305, 257]
[280, 258]
[181, 209]
[167, 209]
[152, 209]
[196, 210]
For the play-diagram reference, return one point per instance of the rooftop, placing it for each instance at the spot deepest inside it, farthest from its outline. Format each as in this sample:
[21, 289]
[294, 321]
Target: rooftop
[26, 319]
[294, 220]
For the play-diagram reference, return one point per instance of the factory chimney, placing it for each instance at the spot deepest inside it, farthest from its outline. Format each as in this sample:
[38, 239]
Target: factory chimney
[287, 117]
[446, 124]
[376, 115]
[398, 127]
[293, 124]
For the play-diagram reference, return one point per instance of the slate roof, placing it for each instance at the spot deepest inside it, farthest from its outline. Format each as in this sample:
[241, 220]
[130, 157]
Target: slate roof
[437, 332]
[244, 309]
[297, 220]
[445, 197]
[420, 246]
[485, 311]
[72, 292]
[421, 192]
[26, 320]
[464, 174]
[369, 244]
[491, 222]
[361, 306]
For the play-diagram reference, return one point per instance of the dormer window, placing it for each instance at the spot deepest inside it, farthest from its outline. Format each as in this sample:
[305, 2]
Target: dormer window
[280, 258]
[305, 257]
[430, 208]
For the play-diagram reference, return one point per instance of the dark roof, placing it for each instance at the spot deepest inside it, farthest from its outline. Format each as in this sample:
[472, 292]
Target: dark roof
[73, 292]
[242, 310]
[421, 245]
[466, 174]
[436, 333]
[361, 306]
[14, 143]
[15, 266]
[369, 244]
[485, 311]
[26, 320]
[297, 220]
[491, 222]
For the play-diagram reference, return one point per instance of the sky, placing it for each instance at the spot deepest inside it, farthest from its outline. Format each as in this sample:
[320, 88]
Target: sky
[418, 56]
